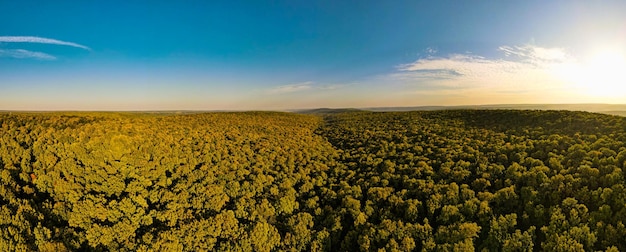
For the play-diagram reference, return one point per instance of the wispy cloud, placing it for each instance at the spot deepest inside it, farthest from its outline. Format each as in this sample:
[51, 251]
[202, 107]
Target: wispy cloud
[308, 86]
[23, 54]
[291, 88]
[40, 40]
[521, 68]
[534, 54]
[332, 86]
[431, 50]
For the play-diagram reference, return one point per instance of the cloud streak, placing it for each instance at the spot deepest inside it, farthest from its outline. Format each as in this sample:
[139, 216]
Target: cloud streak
[291, 88]
[40, 40]
[24, 54]
[308, 86]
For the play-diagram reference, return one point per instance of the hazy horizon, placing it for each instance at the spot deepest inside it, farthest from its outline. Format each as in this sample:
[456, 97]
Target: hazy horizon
[589, 107]
[243, 55]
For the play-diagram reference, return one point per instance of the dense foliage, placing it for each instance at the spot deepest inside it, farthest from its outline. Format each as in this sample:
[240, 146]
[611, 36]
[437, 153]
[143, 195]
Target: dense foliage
[494, 180]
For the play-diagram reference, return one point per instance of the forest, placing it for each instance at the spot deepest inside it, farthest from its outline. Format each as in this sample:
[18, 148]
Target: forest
[449, 180]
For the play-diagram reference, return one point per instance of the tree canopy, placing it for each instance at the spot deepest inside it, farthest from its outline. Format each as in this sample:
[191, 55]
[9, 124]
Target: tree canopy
[489, 180]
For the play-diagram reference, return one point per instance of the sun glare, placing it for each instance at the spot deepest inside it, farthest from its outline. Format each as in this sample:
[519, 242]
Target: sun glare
[603, 74]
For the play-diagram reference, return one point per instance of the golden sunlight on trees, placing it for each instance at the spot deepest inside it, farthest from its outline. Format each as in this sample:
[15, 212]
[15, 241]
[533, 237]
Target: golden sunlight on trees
[353, 181]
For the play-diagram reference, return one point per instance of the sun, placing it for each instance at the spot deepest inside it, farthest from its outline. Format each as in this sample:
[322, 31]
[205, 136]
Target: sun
[603, 74]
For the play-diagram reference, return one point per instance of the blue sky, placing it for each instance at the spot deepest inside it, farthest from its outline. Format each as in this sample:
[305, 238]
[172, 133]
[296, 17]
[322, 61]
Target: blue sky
[241, 55]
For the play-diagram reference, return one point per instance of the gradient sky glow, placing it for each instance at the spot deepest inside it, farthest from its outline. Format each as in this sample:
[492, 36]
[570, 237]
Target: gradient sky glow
[246, 55]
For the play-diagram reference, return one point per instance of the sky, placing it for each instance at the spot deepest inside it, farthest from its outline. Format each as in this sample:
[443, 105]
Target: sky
[292, 54]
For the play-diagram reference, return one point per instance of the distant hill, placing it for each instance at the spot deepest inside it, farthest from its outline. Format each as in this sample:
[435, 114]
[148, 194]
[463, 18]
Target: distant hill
[326, 110]
[613, 109]
[618, 113]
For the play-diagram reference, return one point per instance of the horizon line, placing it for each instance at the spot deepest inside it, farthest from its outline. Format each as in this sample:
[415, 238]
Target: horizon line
[317, 108]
